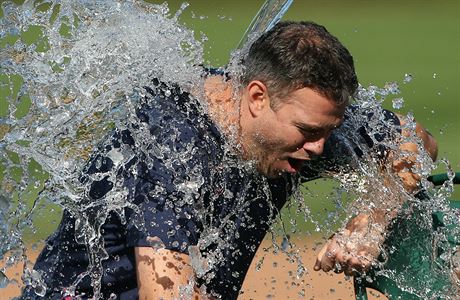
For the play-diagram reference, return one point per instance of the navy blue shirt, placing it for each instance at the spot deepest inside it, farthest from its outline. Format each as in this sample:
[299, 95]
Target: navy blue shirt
[178, 198]
[182, 187]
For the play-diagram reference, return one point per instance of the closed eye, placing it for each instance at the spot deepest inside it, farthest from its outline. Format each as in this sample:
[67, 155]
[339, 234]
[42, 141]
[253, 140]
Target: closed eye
[314, 131]
[310, 132]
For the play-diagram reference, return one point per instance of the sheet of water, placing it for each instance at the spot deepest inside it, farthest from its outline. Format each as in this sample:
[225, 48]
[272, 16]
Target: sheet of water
[71, 71]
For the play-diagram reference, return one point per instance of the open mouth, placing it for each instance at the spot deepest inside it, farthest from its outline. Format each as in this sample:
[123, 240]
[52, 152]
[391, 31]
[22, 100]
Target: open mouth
[296, 164]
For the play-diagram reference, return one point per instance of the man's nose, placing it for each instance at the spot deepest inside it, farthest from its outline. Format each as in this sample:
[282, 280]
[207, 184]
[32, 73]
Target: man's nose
[315, 147]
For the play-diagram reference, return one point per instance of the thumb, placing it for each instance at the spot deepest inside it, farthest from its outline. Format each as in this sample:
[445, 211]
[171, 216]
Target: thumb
[320, 256]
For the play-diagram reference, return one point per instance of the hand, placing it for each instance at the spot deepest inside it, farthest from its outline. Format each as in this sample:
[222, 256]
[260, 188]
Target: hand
[352, 250]
[456, 263]
[403, 166]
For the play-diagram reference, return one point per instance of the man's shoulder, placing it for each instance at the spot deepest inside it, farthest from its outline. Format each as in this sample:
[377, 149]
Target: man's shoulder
[168, 109]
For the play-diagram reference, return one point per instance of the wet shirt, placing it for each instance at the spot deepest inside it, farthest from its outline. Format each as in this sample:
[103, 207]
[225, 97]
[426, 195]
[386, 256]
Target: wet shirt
[182, 189]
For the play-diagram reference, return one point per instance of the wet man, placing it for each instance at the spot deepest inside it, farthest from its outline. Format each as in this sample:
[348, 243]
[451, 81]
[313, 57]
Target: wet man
[205, 184]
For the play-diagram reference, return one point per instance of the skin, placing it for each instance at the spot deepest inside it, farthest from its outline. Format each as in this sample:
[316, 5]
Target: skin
[282, 140]
[278, 140]
[353, 259]
[160, 272]
[294, 133]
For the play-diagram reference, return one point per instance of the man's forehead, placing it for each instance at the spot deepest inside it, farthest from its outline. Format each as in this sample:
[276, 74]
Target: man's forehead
[304, 93]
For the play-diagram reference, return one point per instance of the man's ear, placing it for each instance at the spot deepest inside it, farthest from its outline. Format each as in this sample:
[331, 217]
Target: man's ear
[258, 99]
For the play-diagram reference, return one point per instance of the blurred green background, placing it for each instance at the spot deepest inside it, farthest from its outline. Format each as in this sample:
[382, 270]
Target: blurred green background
[388, 39]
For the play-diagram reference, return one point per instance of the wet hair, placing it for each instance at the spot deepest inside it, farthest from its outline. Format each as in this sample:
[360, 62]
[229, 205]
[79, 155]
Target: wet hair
[293, 55]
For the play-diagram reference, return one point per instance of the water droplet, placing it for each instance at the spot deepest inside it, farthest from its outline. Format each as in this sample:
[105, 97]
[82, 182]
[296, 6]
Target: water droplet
[398, 103]
[407, 78]
[199, 263]
[390, 88]
[285, 243]
[4, 281]
[155, 242]
[260, 263]
[300, 271]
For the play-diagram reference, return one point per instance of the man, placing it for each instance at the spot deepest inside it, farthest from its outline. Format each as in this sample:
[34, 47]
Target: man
[203, 184]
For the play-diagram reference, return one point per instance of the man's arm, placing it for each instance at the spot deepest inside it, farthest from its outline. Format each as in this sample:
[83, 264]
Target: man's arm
[356, 247]
[161, 273]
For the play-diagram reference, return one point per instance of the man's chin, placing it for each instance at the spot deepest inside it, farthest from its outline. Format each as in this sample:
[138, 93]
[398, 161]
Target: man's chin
[270, 171]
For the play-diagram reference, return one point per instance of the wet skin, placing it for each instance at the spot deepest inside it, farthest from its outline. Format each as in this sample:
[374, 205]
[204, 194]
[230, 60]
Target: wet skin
[161, 272]
[281, 137]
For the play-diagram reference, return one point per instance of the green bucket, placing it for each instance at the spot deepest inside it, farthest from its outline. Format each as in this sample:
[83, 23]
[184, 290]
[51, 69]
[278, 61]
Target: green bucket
[417, 266]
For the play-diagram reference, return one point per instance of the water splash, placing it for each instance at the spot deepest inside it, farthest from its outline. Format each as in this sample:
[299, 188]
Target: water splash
[83, 75]
[72, 71]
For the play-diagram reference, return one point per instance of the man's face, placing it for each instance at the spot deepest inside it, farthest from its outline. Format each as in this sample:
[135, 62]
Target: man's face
[283, 139]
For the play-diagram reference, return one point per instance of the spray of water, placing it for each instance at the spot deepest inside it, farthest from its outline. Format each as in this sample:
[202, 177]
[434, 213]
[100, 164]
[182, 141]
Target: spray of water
[72, 71]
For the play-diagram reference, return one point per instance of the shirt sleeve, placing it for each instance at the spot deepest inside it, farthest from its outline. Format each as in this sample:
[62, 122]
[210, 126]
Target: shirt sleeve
[157, 188]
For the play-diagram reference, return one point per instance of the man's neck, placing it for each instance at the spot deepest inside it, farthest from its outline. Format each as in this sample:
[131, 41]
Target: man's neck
[222, 103]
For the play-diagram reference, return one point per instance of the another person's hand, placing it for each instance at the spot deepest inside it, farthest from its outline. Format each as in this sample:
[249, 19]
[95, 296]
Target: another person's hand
[402, 166]
[352, 250]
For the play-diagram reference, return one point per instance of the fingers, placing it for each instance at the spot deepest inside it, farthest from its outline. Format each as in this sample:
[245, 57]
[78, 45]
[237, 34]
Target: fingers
[403, 166]
[332, 257]
[357, 264]
[326, 259]
[409, 180]
[319, 258]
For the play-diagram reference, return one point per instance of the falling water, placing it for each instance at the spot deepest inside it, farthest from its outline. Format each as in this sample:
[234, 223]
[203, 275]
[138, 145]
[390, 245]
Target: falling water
[72, 71]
